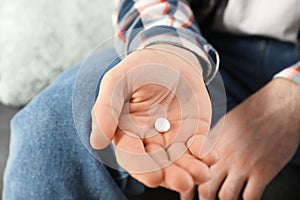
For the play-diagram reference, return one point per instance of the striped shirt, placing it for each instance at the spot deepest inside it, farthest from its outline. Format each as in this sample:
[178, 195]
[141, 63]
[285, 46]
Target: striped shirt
[139, 23]
[292, 73]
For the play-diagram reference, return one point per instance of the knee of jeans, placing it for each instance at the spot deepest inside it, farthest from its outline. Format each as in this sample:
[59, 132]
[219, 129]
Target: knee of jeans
[50, 108]
[47, 113]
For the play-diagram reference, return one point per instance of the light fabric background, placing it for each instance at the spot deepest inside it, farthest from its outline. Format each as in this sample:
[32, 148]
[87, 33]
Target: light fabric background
[41, 38]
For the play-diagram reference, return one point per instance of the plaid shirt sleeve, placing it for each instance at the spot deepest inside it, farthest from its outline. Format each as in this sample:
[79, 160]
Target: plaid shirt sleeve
[139, 23]
[292, 73]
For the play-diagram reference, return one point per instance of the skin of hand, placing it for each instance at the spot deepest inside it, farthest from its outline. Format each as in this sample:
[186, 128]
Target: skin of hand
[259, 137]
[123, 100]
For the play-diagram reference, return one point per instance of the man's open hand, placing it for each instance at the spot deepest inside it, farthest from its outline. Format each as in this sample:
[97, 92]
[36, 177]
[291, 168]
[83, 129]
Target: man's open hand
[146, 85]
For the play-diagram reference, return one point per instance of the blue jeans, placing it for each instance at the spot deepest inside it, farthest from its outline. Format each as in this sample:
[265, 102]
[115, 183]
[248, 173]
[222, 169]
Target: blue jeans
[47, 158]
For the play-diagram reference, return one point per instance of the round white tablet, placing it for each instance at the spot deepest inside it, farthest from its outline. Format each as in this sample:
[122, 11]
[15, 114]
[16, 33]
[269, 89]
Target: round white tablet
[162, 125]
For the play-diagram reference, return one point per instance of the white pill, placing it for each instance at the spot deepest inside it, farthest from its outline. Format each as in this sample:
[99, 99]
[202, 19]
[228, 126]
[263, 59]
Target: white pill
[162, 125]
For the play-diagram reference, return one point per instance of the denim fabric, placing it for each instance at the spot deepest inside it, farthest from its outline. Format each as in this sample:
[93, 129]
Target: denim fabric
[248, 63]
[47, 158]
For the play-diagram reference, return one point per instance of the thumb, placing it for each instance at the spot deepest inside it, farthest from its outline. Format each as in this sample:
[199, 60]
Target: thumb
[107, 108]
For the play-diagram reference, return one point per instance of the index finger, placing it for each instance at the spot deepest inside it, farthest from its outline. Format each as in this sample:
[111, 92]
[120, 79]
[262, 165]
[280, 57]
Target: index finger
[108, 107]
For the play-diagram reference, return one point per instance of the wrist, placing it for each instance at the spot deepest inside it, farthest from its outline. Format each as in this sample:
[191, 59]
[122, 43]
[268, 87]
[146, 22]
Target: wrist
[183, 53]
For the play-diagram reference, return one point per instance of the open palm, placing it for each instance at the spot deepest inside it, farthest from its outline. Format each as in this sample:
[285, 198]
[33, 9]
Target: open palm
[147, 85]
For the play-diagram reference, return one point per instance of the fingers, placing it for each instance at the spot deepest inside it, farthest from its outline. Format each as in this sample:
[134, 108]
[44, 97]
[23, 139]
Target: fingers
[197, 169]
[209, 190]
[229, 185]
[195, 147]
[205, 191]
[254, 188]
[177, 179]
[188, 195]
[211, 158]
[98, 139]
[107, 109]
[131, 155]
[232, 186]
